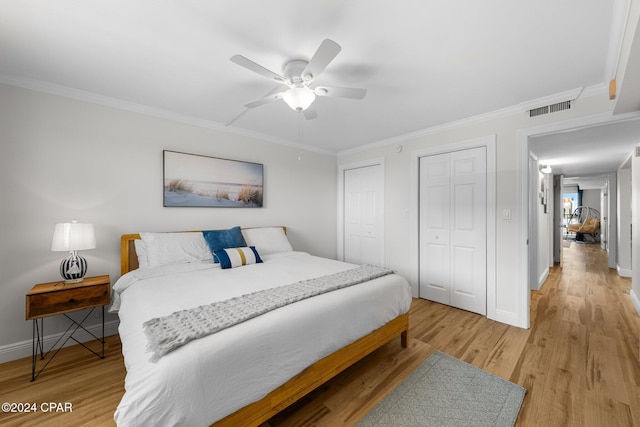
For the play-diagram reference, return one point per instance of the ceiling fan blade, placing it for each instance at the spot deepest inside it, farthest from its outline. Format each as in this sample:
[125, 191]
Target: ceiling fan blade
[256, 68]
[272, 93]
[340, 92]
[265, 100]
[324, 55]
[240, 114]
[310, 113]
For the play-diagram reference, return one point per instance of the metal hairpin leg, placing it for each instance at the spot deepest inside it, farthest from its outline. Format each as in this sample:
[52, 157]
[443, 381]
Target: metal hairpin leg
[38, 341]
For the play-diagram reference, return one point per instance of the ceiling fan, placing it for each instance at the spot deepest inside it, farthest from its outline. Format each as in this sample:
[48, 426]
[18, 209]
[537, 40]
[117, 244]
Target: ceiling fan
[300, 76]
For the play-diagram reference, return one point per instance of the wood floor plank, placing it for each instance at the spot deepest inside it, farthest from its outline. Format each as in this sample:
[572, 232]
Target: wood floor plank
[579, 361]
[504, 355]
[93, 386]
[531, 372]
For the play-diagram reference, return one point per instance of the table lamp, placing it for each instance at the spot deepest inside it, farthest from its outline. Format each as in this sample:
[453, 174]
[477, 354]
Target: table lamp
[73, 237]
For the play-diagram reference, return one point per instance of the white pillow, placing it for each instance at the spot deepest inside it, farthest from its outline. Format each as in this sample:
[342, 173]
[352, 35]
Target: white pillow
[267, 240]
[141, 252]
[175, 248]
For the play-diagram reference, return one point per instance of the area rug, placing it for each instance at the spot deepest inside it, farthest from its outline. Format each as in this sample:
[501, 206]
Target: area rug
[445, 391]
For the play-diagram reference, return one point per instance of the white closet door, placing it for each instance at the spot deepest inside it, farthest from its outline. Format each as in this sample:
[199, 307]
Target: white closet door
[453, 224]
[469, 230]
[363, 188]
[435, 217]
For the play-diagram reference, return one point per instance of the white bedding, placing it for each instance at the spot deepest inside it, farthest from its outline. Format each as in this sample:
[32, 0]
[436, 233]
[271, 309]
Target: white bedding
[214, 376]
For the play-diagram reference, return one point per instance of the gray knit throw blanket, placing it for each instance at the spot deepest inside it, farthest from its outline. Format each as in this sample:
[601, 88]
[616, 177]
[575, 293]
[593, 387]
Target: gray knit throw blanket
[167, 333]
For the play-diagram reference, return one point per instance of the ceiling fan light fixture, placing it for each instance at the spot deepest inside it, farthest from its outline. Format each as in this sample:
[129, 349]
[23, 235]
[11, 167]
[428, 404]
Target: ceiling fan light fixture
[299, 98]
[299, 75]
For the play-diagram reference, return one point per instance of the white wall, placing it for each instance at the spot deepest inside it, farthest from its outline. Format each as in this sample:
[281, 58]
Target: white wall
[624, 221]
[545, 232]
[635, 235]
[611, 199]
[591, 198]
[558, 214]
[510, 291]
[62, 159]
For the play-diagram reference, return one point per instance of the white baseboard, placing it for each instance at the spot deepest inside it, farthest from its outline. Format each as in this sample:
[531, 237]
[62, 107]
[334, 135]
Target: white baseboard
[623, 272]
[541, 279]
[508, 317]
[635, 300]
[25, 348]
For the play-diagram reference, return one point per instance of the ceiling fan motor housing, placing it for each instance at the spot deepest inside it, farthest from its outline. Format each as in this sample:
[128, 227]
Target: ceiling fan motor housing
[293, 72]
[299, 75]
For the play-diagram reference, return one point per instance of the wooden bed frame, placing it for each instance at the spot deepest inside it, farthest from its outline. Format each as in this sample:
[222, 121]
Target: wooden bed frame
[309, 379]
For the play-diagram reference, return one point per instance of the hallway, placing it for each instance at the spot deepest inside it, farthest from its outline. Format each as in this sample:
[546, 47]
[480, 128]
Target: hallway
[581, 360]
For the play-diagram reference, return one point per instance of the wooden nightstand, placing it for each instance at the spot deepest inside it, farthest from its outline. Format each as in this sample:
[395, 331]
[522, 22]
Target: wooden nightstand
[54, 298]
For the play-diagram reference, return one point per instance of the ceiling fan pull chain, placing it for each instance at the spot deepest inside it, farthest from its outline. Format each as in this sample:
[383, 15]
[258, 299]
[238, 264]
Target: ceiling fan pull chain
[300, 135]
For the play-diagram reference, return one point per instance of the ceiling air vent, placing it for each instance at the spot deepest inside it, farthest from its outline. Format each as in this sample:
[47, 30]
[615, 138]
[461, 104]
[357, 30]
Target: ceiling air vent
[539, 111]
[637, 151]
[560, 106]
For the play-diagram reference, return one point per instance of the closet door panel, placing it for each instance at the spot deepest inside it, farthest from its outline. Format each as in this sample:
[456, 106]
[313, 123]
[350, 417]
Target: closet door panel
[435, 219]
[453, 215]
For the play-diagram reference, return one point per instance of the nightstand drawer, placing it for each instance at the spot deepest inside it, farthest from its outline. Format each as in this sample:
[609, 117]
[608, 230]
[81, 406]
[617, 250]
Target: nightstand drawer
[60, 298]
[49, 299]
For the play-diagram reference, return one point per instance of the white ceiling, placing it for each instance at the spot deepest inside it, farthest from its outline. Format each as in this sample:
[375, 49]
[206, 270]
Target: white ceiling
[424, 63]
[587, 154]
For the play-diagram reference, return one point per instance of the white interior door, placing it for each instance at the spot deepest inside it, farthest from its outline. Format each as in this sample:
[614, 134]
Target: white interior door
[435, 215]
[453, 229]
[532, 230]
[560, 214]
[363, 225]
[604, 216]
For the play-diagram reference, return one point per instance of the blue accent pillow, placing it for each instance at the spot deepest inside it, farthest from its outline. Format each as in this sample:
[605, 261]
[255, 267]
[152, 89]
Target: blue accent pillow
[237, 257]
[223, 239]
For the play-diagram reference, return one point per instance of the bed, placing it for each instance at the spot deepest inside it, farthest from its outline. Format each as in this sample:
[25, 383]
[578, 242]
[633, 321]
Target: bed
[245, 374]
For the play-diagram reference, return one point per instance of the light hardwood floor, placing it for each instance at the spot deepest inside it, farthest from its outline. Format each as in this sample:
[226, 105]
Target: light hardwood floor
[579, 361]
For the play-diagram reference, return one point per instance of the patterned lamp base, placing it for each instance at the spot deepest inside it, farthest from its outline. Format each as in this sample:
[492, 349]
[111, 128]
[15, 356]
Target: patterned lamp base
[73, 268]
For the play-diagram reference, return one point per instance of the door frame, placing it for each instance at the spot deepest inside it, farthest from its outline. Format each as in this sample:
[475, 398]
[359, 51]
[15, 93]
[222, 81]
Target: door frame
[379, 161]
[489, 142]
[533, 191]
[558, 213]
[521, 317]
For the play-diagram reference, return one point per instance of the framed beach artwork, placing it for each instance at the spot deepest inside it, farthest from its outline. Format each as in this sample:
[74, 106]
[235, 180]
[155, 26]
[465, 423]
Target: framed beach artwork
[192, 180]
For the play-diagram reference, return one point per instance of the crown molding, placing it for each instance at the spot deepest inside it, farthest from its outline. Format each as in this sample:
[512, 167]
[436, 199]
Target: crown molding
[433, 130]
[568, 95]
[589, 91]
[93, 98]
[80, 95]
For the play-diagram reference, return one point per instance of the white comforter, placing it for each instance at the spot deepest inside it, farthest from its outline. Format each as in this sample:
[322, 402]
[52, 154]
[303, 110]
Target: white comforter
[212, 377]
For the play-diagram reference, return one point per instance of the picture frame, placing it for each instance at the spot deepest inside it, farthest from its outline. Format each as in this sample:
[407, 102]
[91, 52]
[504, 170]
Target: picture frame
[193, 180]
[544, 194]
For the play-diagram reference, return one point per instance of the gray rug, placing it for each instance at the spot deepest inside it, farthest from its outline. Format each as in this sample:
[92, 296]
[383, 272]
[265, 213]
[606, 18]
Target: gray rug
[445, 391]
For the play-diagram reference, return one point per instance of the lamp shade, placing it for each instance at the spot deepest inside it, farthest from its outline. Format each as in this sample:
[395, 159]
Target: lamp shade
[299, 98]
[73, 236]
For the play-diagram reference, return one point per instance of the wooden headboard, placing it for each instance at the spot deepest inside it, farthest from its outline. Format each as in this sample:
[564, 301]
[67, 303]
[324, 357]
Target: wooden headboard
[128, 256]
